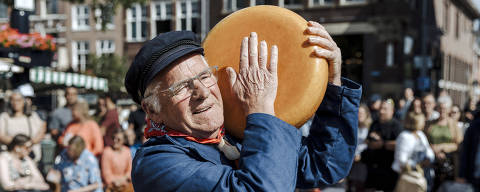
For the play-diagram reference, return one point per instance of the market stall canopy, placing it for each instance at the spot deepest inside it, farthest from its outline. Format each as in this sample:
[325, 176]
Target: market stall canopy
[48, 76]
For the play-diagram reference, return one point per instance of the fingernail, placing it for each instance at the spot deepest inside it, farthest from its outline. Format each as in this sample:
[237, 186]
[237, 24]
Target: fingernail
[311, 38]
[253, 34]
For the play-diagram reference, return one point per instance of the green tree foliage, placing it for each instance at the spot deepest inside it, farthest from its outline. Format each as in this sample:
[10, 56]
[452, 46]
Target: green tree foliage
[111, 67]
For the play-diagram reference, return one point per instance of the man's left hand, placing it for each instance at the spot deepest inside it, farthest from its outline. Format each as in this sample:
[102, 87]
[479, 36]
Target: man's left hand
[327, 49]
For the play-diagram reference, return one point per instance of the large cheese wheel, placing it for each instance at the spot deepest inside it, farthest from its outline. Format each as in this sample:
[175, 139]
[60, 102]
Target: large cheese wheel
[302, 76]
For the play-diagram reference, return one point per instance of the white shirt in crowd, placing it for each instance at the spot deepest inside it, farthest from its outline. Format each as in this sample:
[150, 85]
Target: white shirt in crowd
[411, 150]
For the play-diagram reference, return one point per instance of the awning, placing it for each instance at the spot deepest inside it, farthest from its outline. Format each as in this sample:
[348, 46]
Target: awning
[48, 76]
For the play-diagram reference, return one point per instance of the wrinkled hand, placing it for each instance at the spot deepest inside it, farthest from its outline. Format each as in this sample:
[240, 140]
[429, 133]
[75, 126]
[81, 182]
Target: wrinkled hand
[256, 84]
[327, 49]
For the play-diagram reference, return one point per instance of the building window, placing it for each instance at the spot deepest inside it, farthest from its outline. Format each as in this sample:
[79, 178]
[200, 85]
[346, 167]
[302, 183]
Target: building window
[3, 10]
[233, 5]
[390, 55]
[136, 23]
[105, 47]
[352, 2]
[257, 2]
[188, 15]
[313, 3]
[99, 18]
[290, 3]
[80, 51]
[80, 17]
[161, 17]
[52, 6]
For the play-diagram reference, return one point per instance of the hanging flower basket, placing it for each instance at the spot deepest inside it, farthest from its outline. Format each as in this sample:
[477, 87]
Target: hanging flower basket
[27, 50]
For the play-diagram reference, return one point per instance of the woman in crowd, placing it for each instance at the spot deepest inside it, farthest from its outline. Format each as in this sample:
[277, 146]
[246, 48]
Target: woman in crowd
[445, 136]
[84, 127]
[358, 173]
[19, 120]
[117, 164]
[100, 111]
[456, 115]
[412, 147]
[18, 171]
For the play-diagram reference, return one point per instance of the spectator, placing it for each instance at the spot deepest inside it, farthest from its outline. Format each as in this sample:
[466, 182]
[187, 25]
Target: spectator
[445, 137]
[117, 164]
[381, 146]
[78, 168]
[132, 142]
[429, 108]
[100, 111]
[374, 105]
[61, 117]
[408, 98]
[469, 170]
[17, 171]
[412, 147]
[136, 122]
[18, 120]
[456, 116]
[358, 173]
[469, 110]
[109, 122]
[84, 127]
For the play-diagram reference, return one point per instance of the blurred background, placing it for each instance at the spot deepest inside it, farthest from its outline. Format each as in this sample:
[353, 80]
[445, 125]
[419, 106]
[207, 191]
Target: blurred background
[399, 50]
[386, 45]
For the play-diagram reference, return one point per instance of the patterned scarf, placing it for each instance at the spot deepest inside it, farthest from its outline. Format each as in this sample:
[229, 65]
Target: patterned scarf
[154, 129]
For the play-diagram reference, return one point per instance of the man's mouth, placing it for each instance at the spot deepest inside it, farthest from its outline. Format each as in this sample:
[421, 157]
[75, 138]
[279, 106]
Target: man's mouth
[203, 109]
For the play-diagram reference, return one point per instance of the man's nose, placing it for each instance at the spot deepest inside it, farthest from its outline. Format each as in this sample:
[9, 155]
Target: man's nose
[200, 91]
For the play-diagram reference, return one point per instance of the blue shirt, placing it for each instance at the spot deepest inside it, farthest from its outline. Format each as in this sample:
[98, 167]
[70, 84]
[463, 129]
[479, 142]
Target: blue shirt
[59, 119]
[274, 155]
[85, 171]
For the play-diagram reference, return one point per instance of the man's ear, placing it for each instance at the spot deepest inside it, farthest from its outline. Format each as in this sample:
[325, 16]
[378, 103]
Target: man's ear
[151, 113]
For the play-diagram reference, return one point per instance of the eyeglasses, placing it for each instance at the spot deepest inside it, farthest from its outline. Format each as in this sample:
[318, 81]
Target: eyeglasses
[184, 88]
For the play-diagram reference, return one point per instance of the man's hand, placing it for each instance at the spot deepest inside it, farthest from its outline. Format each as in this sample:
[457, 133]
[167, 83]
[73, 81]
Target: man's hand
[256, 84]
[327, 49]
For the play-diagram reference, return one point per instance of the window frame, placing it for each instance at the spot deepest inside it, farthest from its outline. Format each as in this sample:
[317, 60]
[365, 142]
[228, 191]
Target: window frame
[78, 52]
[311, 4]
[139, 19]
[188, 16]
[109, 50]
[98, 23]
[234, 5]
[163, 15]
[281, 3]
[76, 26]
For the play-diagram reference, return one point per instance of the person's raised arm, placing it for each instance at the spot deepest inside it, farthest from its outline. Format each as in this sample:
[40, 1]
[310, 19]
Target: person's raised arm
[326, 155]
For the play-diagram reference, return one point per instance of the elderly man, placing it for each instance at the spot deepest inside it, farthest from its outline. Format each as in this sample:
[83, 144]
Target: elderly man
[187, 149]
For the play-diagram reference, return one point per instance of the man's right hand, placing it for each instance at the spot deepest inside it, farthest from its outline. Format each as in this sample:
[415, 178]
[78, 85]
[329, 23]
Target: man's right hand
[256, 84]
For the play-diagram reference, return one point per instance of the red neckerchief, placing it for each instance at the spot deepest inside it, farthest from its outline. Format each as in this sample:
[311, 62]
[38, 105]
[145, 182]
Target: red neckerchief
[153, 129]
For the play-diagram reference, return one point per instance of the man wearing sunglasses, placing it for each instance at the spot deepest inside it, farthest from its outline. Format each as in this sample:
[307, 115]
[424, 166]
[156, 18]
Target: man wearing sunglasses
[187, 148]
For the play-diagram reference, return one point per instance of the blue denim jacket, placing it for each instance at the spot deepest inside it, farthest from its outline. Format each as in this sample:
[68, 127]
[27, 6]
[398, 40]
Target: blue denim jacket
[274, 155]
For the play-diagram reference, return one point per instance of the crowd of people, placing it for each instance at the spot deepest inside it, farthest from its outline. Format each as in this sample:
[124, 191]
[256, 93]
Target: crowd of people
[419, 141]
[74, 148]
[94, 148]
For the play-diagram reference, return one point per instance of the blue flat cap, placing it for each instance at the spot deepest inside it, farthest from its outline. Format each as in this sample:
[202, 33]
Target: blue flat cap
[154, 56]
